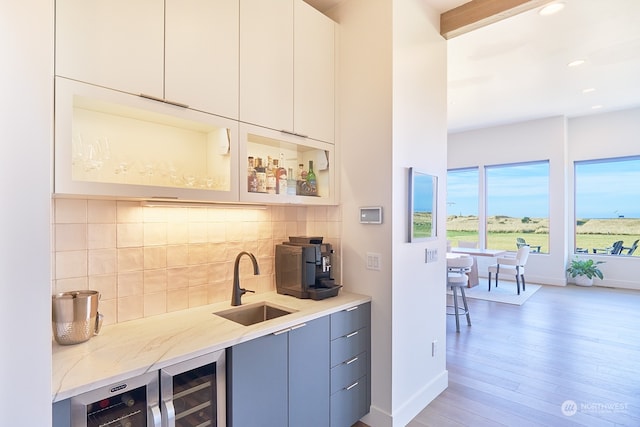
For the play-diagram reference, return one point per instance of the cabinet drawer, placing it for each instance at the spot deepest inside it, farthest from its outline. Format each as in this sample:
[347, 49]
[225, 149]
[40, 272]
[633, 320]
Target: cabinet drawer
[348, 372]
[349, 404]
[348, 346]
[349, 320]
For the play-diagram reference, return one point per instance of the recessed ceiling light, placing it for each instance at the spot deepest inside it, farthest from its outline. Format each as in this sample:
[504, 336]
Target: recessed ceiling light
[596, 107]
[551, 8]
[576, 63]
[588, 90]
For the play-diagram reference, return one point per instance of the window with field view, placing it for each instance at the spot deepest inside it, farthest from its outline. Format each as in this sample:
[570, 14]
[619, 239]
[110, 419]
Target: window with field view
[607, 206]
[462, 205]
[517, 206]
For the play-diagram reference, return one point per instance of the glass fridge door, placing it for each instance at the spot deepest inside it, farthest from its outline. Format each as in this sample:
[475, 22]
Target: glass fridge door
[131, 403]
[193, 392]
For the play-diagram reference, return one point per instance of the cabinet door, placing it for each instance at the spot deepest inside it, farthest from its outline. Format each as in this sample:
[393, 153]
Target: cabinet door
[314, 75]
[112, 43]
[109, 143]
[257, 382]
[259, 142]
[201, 55]
[309, 374]
[266, 63]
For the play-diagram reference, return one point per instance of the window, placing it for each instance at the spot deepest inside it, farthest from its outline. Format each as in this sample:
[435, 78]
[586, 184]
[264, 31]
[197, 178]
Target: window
[607, 206]
[462, 205]
[517, 197]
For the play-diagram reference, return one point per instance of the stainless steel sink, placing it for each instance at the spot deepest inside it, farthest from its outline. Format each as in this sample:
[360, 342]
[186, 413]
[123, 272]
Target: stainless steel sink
[251, 314]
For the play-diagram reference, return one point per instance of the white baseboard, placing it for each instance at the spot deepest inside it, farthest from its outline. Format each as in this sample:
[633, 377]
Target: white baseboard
[408, 410]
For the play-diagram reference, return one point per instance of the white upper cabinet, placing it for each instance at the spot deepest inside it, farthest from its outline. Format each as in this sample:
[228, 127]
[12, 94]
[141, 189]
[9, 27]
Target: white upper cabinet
[287, 68]
[201, 48]
[314, 73]
[186, 53]
[112, 43]
[266, 63]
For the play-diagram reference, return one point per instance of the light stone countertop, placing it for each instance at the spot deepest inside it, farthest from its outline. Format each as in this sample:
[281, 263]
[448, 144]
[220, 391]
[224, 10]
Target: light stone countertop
[129, 349]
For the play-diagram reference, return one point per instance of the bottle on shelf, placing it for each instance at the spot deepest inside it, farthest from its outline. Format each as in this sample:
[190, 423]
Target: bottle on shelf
[312, 189]
[271, 176]
[261, 175]
[252, 178]
[291, 183]
[300, 179]
[281, 177]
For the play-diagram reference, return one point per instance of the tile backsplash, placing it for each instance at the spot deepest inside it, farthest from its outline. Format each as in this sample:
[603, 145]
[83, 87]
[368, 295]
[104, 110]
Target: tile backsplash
[146, 261]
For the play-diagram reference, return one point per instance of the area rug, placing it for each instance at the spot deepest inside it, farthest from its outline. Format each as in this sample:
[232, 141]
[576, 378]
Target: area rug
[506, 292]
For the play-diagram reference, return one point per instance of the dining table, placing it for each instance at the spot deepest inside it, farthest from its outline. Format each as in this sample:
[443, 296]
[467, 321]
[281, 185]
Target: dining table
[474, 252]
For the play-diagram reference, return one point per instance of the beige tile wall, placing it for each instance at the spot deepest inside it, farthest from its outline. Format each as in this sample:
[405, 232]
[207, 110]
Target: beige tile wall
[146, 261]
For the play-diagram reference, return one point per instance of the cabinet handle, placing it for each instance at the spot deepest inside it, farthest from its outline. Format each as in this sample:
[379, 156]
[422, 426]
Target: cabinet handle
[352, 308]
[177, 104]
[352, 386]
[352, 334]
[290, 132]
[155, 414]
[154, 98]
[284, 331]
[349, 362]
[166, 101]
[301, 325]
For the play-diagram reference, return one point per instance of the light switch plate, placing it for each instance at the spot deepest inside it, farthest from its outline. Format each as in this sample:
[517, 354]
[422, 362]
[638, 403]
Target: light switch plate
[373, 261]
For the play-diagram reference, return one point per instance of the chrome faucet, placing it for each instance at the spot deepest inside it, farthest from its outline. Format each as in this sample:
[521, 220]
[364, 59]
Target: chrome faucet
[237, 293]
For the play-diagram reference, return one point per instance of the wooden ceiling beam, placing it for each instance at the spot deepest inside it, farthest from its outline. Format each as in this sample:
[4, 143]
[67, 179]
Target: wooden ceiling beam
[479, 13]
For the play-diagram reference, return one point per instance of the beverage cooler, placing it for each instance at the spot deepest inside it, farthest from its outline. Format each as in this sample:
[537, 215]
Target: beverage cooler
[187, 394]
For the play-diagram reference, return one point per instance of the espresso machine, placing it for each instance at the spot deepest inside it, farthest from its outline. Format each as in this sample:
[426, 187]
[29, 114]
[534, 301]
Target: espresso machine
[303, 268]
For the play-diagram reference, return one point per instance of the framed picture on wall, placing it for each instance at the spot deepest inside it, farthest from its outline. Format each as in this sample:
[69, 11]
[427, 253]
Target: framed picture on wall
[423, 189]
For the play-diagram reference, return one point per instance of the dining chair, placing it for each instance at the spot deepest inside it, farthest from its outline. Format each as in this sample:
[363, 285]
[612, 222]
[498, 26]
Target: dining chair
[457, 269]
[514, 264]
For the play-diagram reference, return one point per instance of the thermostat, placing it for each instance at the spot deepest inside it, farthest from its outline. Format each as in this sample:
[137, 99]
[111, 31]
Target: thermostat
[371, 215]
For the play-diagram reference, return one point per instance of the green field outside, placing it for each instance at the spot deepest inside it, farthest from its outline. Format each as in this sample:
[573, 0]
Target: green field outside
[503, 231]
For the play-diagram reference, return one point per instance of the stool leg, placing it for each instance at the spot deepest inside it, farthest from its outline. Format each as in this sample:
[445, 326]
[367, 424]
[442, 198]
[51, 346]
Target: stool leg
[455, 306]
[518, 283]
[466, 307]
[489, 281]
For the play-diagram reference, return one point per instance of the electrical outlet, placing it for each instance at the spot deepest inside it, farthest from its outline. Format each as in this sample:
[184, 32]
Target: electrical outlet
[434, 348]
[373, 261]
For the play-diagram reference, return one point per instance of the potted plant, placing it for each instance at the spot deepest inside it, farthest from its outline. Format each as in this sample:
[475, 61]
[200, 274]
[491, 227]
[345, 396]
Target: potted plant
[584, 270]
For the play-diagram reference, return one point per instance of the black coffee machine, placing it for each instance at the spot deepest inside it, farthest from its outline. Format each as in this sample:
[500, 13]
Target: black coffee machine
[303, 268]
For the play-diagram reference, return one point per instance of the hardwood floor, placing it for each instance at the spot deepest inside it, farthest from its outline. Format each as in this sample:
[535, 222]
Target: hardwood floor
[524, 365]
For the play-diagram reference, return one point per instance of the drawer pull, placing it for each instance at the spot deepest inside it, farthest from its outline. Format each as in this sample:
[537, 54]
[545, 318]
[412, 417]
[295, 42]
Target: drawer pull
[352, 334]
[177, 104]
[352, 386]
[290, 132]
[301, 325]
[352, 308]
[349, 362]
[284, 331]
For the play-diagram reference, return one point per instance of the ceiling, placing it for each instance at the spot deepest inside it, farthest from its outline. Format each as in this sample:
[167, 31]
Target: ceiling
[516, 69]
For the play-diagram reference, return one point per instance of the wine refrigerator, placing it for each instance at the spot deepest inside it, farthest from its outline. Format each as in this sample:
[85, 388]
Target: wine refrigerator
[188, 394]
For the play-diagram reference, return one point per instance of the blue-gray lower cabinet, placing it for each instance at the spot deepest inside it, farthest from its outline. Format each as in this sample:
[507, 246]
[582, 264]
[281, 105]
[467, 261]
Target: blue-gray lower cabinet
[281, 379]
[350, 365]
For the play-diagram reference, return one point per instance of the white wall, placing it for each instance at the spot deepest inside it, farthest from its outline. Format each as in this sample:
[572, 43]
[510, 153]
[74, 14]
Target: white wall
[392, 79]
[562, 142]
[26, 47]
